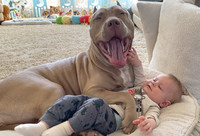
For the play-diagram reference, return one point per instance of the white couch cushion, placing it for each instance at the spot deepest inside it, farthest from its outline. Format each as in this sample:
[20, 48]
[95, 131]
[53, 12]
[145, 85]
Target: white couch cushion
[149, 14]
[177, 49]
[1, 8]
[1, 17]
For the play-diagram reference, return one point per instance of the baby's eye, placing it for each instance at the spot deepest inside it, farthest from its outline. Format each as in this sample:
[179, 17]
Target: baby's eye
[154, 79]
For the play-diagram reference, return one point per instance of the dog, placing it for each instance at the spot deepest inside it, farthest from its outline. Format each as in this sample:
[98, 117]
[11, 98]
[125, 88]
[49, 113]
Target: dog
[102, 72]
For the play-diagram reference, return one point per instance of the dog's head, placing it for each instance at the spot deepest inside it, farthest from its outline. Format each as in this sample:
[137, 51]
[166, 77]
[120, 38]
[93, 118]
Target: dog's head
[112, 32]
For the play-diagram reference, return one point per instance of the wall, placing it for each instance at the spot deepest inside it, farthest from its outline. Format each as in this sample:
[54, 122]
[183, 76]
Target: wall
[32, 8]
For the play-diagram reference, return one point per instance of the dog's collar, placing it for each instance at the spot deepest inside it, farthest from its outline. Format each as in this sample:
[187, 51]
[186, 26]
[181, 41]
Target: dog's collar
[138, 95]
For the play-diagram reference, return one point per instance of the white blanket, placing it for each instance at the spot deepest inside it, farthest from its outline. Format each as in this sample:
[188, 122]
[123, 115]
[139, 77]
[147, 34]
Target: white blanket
[27, 22]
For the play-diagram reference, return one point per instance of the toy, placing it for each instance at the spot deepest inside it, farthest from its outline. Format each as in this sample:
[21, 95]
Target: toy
[59, 20]
[54, 10]
[69, 12]
[16, 13]
[89, 19]
[53, 16]
[6, 12]
[84, 12]
[76, 12]
[66, 19]
[75, 20]
[84, 20]
[45, 13]
[90, 12]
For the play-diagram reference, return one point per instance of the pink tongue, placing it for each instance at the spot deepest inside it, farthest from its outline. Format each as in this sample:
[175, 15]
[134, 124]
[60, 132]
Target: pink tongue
[116, 52]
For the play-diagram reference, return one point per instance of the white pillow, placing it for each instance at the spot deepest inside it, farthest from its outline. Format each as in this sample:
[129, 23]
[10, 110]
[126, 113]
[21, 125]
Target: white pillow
[149, 14]
[1, 8]
[177, 49]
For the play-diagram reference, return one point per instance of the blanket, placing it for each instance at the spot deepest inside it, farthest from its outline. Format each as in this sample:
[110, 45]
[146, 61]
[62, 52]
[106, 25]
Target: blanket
[27, 22]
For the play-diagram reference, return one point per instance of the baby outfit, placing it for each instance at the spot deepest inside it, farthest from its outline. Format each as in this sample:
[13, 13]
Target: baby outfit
[82, 112]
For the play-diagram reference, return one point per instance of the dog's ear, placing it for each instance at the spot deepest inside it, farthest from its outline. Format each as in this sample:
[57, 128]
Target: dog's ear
[95, 9]
[118, 3]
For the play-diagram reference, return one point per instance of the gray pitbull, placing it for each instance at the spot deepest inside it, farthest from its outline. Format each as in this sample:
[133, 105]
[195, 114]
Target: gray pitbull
[102, 72]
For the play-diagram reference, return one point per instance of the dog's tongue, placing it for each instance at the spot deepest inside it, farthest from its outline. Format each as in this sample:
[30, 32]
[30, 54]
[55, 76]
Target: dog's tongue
[116, 51]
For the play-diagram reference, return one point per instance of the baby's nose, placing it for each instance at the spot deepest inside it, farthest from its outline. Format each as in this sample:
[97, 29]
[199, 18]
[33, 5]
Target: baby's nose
[153, 83]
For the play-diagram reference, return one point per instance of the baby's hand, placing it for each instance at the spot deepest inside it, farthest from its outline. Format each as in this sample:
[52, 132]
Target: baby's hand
[145, 124]
[133, 58]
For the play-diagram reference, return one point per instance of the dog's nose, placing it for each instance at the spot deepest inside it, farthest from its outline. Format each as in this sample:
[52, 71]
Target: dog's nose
[113, 23]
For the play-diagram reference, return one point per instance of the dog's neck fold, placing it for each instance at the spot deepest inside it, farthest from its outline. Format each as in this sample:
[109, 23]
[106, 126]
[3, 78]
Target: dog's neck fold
[96, 57]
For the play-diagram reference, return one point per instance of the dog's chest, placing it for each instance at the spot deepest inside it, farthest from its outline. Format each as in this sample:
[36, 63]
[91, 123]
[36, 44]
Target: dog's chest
[126, 76]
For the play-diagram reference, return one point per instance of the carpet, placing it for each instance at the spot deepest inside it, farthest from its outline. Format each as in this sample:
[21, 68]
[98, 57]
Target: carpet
[29, 45]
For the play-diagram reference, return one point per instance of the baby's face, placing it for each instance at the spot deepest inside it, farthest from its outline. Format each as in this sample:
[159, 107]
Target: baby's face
[160, 88]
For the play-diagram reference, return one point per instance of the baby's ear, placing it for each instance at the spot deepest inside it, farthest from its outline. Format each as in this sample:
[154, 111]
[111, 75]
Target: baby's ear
[165, 104]
[184, 90]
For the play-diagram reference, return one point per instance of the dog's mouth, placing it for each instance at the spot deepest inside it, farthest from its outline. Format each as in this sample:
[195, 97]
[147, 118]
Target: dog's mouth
[116, 50]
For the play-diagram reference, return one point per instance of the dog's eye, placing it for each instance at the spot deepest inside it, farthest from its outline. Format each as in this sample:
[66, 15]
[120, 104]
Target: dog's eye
[123, 13]
[97, 18]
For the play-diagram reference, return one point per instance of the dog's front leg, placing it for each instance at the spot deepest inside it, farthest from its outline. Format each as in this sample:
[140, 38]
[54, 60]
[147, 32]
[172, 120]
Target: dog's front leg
[130, 115]
[123, 98]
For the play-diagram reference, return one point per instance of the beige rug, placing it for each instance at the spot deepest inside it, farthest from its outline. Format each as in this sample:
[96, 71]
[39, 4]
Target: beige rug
[24, 46]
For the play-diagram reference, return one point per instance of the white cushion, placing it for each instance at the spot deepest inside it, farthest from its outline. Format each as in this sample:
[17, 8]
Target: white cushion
[1, 8]
[149, 14]
[177, 49]
[137, 21]
[1, 17]
[135, 9]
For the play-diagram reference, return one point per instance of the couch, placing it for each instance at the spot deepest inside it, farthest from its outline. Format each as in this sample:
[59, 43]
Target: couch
[173, 46]
[136, 15]
[172, 34]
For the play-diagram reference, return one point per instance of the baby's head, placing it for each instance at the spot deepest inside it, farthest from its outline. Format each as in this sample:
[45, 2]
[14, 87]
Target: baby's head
[165, 89]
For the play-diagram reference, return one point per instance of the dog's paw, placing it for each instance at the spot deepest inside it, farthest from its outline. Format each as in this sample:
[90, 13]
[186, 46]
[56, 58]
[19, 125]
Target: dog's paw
[130, 115]
[130, 129]
[87, 133]
[127, 129]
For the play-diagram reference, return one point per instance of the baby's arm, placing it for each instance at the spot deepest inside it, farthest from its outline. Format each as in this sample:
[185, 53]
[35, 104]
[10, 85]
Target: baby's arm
[133, 58]
[137, 66]
[145, 124]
